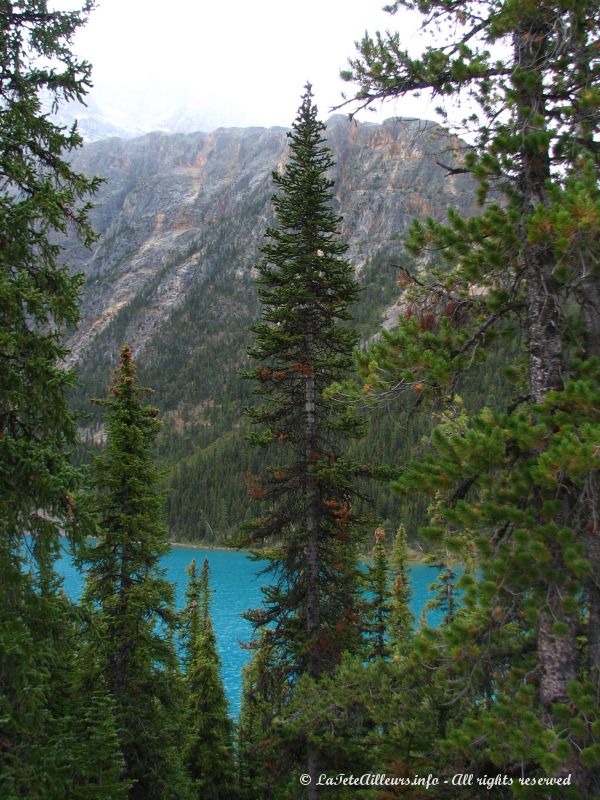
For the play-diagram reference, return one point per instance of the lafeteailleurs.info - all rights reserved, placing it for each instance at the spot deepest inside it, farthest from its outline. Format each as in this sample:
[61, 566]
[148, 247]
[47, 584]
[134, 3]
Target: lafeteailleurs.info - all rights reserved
[431, 781]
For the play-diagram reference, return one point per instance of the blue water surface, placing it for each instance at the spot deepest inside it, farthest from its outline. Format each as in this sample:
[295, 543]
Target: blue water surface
[235, 584]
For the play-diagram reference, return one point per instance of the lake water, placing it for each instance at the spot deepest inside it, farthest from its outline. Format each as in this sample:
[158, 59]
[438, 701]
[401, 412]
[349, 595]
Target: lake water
[235, 583]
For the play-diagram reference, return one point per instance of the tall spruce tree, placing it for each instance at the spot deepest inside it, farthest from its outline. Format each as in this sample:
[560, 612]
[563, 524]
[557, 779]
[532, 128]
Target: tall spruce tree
[40, 197]
[209, 748]
[401, 617]
[303, 344]
[378, 606]
[130, 638]
[524, 483]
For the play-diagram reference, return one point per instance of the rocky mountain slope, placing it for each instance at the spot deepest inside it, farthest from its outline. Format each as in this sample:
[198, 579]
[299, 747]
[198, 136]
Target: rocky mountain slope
[175, 207]
[181, 218]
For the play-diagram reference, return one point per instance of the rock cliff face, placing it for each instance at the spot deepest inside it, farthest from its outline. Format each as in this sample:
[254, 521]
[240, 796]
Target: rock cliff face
[177, 211]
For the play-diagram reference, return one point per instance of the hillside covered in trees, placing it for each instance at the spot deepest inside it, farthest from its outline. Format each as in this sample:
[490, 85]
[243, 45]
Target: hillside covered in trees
[488, 370]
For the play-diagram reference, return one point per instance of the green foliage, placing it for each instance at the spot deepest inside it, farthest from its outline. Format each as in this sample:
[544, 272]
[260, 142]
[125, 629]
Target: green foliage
[209, 748]
[40, 196]
[129, 638]
[192, 366]
[401, 618]
[95, 771]
[305, 287]
[58, 727]
[262, 765]
[377, 605]
[337, 715]
[303, 344]
[520, 483]
[86, 749]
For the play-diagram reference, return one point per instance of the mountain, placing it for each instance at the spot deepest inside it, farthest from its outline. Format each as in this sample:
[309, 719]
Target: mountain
[181, 218]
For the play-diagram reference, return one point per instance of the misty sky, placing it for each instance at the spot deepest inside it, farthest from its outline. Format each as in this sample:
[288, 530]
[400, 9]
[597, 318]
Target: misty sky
[239, 62]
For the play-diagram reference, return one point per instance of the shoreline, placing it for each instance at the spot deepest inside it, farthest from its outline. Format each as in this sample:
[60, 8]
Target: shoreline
[203, 546]
[414, 557]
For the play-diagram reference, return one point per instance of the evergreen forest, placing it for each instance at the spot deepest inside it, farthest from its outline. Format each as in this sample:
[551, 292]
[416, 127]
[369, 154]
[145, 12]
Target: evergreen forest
[470, 429]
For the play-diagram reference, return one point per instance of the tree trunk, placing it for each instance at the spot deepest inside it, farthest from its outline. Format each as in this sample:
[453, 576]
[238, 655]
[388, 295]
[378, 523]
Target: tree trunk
[315, 661]
[589, 303]
[311, 519]
[119, 679]
[312, 769]
[590, 518]
[557, 654]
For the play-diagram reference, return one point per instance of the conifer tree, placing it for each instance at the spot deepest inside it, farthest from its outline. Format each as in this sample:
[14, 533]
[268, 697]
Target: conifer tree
[96, 770]
[302, 344]
[130, 637]
[444, 594]
[401, 617]
[209, 749]
[523, 484]
[87, 747]
[40, 197]
[378, 604]
[262, 769]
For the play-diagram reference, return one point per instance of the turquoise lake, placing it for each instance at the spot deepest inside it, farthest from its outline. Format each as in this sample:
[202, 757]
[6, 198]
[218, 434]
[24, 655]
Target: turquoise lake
[235, 583]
